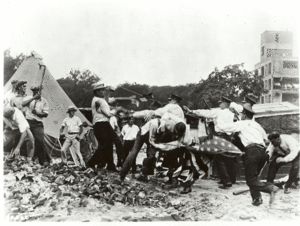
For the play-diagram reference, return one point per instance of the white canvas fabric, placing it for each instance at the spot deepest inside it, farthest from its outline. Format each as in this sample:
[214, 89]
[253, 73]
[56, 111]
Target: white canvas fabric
[58, 100]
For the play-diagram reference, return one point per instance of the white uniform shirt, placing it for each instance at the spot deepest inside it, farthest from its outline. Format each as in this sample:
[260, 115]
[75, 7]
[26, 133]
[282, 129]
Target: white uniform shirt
[40, 106]
[98, 116]
[289, 145]
[174, 109]
[142, 114]
[18, 121]
[113, 122]
[73, 124]
[130, 132]
[219, 116]
[250, 132]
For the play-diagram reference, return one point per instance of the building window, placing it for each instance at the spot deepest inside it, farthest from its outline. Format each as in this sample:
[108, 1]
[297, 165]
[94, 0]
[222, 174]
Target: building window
[290, 64]
[266, 69]
[270, 68]
[276, 37]
[262, 99]
[270, 84]
[262, 50]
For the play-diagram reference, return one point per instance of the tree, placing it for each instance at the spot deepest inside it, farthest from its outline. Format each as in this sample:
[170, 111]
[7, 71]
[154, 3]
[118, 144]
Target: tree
[11, 64]
[233, 81]
[78, 86]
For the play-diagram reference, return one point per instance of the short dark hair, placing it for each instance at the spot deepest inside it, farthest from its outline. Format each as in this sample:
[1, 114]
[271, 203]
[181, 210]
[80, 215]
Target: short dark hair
[248, 114]
[274, 135]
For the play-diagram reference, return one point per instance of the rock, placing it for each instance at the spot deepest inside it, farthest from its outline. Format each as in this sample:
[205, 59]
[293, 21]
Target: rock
[142, 194]
[247, 217]
[124, 191]
[60, 180]
[131, 200]
[172, 193]
[15, 209]
[40, 202]
[111, 202]
[116, 181]
[126, 218]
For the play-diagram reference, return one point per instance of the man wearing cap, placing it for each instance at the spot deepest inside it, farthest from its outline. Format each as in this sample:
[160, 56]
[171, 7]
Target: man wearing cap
[172, 107]
[37, 108]
[16, 125]
[129, 133]
[249, 100]
[285, 149]
[253, 138]
[224, 164]
[10, 94]
[115, 131]
[19, 98]
[101, 114]
[74, 129]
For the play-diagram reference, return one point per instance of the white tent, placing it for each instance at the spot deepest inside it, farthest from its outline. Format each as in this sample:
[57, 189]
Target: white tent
[58, 100]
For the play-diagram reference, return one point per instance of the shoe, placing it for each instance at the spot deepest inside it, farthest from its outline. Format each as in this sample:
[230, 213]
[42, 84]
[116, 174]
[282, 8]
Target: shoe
[225, 186]
[257, 201]
[286, 190]
[220, 182]
[272, 194]
[88, 170]
[114, 169]
[142, 177]
[186, 190]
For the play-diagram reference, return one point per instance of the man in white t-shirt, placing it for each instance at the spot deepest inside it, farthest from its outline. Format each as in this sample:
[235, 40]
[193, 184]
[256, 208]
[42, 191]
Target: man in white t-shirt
[16, 124]
[102, 129]
[74, 129]
[285, 149]
[129, 133]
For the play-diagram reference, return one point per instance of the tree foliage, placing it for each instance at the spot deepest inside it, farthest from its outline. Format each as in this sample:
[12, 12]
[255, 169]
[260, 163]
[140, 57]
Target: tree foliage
[11, 64]
[78, 86]
[233, 82]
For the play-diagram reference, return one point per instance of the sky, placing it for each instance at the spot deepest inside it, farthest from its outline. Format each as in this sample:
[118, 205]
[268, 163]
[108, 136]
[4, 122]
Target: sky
[147, 42]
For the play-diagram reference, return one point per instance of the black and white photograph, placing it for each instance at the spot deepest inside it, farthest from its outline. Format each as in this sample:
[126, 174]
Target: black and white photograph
[150, 111]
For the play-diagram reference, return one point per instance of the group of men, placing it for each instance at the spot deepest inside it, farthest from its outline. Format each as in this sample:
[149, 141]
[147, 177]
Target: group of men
[166, 135]
[23, 117]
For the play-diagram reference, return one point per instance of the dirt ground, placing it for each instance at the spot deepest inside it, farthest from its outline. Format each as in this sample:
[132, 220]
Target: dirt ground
[206, 202]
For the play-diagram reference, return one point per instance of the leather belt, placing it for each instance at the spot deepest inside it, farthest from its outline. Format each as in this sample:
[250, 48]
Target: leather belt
[256, 145]
[72, 133]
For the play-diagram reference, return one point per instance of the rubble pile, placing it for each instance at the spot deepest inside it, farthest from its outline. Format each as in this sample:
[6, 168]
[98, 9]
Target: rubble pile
[31, 190]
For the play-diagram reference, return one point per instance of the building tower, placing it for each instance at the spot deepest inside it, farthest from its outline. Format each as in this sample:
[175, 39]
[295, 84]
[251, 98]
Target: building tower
[279, 68]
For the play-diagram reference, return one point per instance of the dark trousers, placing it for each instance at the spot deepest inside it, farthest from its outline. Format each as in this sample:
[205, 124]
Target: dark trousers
[149, 162]
[274, 167]
[37, 130]
[138, 144]
[119, 147]
[104, 153]
[170, 158]
[128, 145]
[254, 161]
[225, 165]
